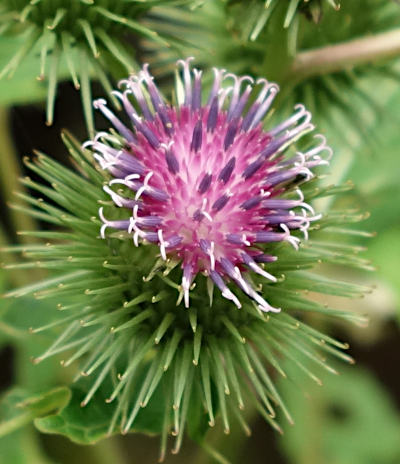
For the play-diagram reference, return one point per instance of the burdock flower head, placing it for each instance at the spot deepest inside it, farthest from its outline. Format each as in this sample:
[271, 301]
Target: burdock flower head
[193, 196]
[207, 184]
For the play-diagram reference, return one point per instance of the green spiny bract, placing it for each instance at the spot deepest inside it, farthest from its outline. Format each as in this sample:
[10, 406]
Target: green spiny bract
[91, 36]
[118, 315]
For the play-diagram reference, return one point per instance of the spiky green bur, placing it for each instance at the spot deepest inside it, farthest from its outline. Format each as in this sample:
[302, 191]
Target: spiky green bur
[261, 10]
[89, 35]
[119, 318]
[252, 40]
[311, 18]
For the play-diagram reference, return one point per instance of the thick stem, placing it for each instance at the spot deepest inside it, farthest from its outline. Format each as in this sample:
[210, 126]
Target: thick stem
[108, 451]
[333, 58]
[10, 174]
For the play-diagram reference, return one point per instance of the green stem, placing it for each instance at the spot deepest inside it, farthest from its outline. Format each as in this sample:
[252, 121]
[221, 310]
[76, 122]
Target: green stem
[108, 451]
[31, 446]
[230, 446]
[339, 57]
[212, 452]
[16, 423]
[10, 174]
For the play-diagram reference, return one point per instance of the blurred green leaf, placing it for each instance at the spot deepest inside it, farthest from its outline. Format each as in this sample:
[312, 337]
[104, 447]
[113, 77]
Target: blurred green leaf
[385, 254]
[19, 407]
[81, 425]
[350, 420]
[90, 424]
[375, 175]
[21, 446]
[16, 318]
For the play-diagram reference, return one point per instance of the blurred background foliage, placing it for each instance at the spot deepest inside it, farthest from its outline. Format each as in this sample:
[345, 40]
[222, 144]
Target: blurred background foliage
[353, 418]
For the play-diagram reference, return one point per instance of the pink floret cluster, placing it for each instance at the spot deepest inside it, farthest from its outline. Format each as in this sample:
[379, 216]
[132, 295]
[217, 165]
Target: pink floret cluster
[210, 186]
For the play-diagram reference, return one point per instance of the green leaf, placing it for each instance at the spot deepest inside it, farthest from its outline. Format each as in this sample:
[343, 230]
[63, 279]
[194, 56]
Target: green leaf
[89, 424]
[17, 316]
[351, 419]
[19, 408]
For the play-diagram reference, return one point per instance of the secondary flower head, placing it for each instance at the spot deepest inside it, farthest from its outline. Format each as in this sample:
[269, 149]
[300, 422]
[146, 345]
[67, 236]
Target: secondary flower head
[205, 181]
[87, 35]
